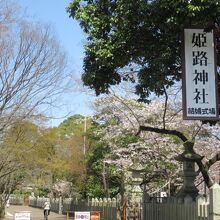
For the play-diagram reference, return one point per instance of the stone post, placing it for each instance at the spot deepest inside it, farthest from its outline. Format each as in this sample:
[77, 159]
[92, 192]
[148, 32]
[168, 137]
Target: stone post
[215, 202]
[136, 192]
[60, 205]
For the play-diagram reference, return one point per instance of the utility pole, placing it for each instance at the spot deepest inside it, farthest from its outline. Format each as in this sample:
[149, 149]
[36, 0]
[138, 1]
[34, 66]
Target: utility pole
[84, 137]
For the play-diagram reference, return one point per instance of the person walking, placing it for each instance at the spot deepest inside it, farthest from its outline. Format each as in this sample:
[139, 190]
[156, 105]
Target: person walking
[46, 208]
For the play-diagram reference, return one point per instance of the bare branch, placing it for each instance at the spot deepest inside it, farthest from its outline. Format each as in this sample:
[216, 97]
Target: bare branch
[32, 71]
[129, 108]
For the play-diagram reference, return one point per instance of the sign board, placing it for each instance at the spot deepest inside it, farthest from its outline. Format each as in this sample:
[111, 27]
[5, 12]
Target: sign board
[24, 215]
[95, 215]
[82, 216]
[163, 194]
[199, 76]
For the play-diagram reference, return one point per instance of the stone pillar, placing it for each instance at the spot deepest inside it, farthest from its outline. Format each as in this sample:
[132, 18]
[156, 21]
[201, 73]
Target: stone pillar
[136, 191]
[60, 205]
[215, 202]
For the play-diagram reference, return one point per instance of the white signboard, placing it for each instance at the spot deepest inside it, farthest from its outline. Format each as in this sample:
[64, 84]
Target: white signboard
[82, 216]
[199, 79]
[163, 194]
[25, 215]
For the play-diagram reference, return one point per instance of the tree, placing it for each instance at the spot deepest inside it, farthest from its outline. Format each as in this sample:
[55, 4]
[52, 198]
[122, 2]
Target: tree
[48, 158]
[16, 146]
[33, 68]
[138, 40]
[154, 153]
[121, 118]
[72, 132]
[56, 161]
[102, 179]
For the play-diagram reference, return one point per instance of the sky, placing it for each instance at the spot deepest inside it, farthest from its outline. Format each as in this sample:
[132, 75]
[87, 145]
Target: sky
[71, 37]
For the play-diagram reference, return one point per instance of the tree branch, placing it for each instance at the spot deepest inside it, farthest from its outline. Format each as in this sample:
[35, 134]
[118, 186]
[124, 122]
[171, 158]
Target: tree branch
[204, 170]
[165, 108]
[163, 131]
[213, 160]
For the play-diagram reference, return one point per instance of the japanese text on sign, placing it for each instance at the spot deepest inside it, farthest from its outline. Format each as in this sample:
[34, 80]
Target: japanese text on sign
[82, 215]
[199, 88]
[25, 215]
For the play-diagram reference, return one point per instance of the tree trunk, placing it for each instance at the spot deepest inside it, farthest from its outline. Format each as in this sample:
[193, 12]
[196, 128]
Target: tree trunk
[105, 182]
[2, 211]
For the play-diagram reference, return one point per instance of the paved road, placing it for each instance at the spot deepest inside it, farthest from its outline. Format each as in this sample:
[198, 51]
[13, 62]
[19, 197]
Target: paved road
[37, 214]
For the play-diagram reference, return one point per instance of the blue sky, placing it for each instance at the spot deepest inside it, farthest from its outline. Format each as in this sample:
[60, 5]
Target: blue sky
[71, 38]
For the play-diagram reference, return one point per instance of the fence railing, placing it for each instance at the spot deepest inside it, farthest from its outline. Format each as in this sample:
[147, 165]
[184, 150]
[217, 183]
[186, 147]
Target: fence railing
[173, 211]
[106, 207]
[38, 202]
[204, 208]
[187, 209]
[16, 199]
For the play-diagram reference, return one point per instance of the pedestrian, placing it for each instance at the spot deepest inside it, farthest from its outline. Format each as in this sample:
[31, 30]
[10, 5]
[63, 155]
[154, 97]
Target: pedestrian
[47, 207]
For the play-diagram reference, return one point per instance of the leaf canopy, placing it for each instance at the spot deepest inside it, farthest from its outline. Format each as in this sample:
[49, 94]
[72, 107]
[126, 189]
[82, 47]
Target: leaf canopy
[138, 40]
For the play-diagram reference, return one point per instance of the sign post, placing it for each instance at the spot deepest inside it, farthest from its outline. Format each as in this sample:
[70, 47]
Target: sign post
[200, 100]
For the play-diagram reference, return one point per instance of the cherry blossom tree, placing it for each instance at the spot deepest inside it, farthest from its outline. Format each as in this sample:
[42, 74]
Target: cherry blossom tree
[148, 135]
[144, 51]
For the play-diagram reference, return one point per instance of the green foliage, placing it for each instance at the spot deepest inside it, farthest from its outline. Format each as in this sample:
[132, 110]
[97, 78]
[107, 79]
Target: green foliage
[42, 192]
[138, 36]
[72, 126]
[51, 156]
[127, 139]
[173, 138]
[98, 149]
[93, 187]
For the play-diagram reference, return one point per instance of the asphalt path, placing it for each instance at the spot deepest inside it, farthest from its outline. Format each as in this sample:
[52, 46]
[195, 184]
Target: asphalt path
[36, 213]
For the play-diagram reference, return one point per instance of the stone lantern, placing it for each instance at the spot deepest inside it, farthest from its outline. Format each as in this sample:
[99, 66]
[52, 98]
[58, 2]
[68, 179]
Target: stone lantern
[188, 158]
[137, 178]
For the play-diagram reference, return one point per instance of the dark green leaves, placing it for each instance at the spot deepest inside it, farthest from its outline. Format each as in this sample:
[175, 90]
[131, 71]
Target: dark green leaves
[146, 34]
